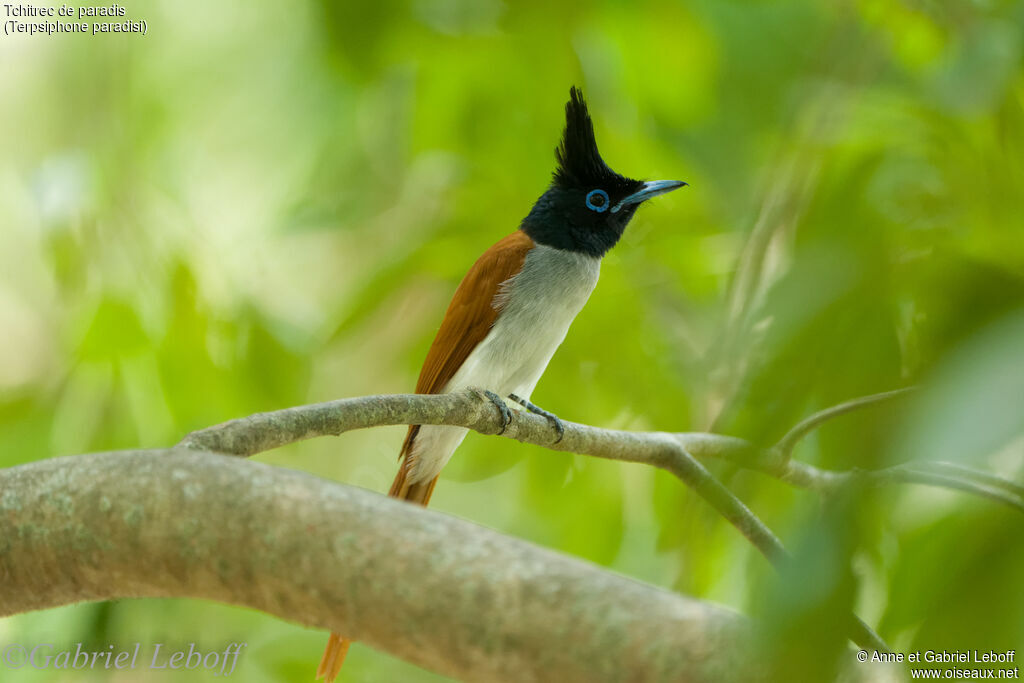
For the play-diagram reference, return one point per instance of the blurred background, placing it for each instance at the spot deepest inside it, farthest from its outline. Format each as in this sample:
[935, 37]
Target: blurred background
[262, 204]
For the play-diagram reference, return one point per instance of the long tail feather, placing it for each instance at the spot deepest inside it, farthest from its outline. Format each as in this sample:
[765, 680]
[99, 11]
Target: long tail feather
[334, 657]
[337, 644]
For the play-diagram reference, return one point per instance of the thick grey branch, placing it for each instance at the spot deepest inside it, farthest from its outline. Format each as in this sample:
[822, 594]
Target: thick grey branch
[440, 592]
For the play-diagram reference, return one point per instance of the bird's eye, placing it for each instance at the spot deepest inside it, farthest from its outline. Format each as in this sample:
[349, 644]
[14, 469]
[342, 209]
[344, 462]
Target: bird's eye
[597, 200]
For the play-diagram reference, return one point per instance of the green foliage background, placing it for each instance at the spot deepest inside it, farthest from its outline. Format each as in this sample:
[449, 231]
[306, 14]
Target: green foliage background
[262, 204]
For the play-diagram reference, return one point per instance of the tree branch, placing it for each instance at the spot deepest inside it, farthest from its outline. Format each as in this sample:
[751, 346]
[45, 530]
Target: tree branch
[470, 409]
[437, 591]
[933, 474]
[671, 451]
[809, 424]
[263, 431]
[348, 582]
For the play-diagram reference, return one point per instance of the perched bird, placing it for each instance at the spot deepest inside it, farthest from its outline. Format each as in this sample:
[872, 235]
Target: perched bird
[516, 303]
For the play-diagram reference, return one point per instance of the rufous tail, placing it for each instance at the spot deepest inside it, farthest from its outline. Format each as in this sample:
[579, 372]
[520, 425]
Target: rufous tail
[337, 645]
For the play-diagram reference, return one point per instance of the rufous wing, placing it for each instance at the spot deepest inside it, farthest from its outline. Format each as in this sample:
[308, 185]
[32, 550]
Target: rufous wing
[469, 318]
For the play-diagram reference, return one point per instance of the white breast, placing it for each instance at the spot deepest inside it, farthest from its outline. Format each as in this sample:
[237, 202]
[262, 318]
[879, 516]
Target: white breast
[536, 308]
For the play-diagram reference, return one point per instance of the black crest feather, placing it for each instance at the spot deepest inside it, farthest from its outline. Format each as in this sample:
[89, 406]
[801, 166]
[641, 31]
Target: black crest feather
[579, 162]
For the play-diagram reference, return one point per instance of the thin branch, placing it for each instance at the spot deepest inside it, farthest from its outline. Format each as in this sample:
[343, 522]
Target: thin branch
[937, 474]
[697, 477]
[437, 591]
[264, 431]
[983, 478]
[915, 474]
[807, 425]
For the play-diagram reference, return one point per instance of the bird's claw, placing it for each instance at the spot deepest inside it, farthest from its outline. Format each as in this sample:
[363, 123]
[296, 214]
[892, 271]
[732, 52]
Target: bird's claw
[559, 427]
[537, 410]
[499, 403]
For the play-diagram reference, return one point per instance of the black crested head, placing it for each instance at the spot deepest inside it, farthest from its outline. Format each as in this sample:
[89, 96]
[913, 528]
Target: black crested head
[588, 205]
[579, 162]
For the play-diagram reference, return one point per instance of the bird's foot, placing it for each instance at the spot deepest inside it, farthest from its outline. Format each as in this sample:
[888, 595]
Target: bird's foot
[499, 403]
[537, 410]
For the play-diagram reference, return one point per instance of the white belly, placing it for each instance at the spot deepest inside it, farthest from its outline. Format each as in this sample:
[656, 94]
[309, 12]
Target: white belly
[537, 306]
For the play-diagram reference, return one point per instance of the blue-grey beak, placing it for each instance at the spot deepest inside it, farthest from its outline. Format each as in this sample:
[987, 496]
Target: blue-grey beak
[650, 189]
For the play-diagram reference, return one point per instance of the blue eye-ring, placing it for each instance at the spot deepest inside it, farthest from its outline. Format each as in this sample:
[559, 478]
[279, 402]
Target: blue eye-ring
[597, 200]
